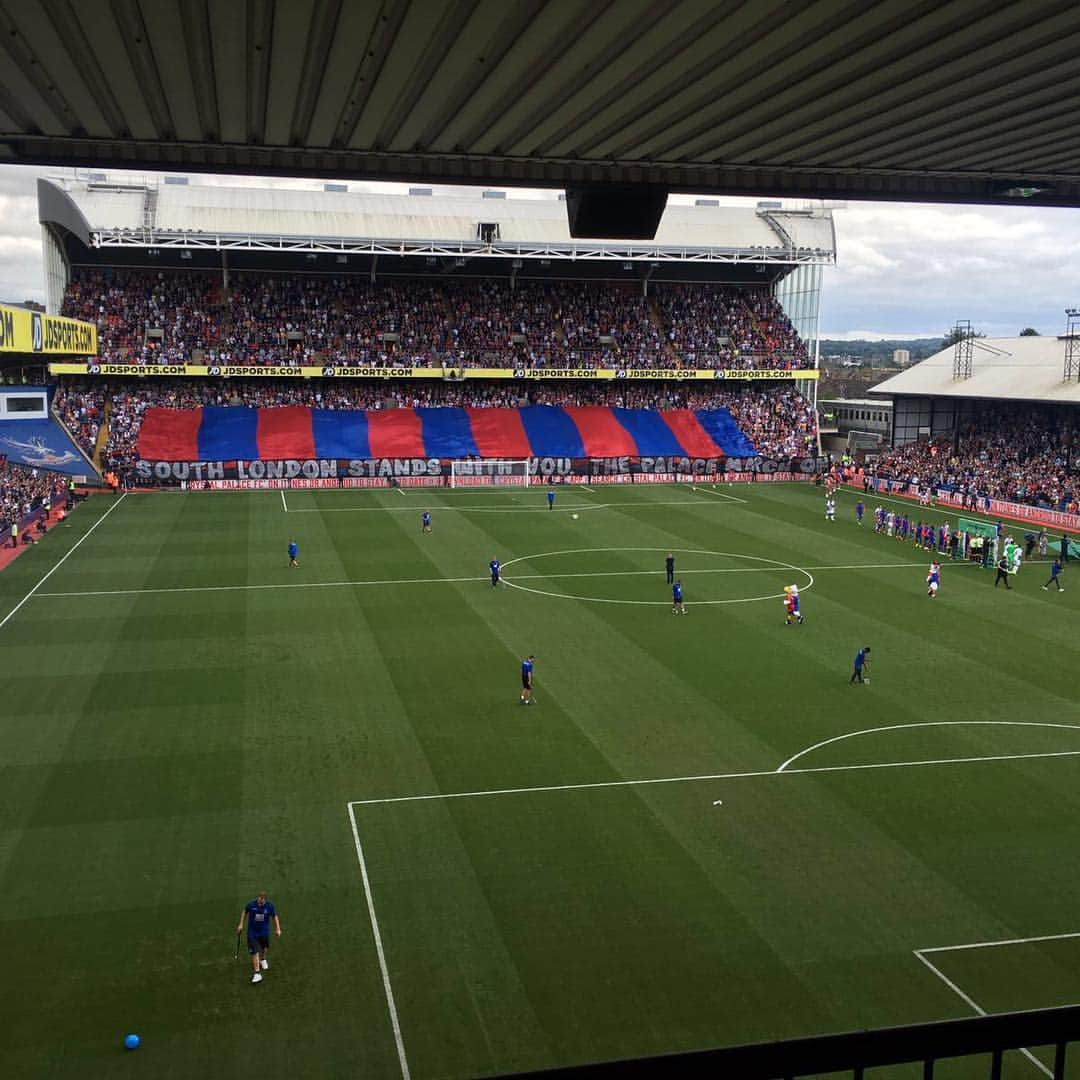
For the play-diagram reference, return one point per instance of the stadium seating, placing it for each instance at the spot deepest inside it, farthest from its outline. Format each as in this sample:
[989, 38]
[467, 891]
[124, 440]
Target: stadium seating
[166, 317]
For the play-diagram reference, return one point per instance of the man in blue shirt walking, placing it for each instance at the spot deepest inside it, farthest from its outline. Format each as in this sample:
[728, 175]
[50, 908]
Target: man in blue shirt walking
[293, 552]
[425, 522]
[1055, 577]
[527, 680]
[551, 498]
[257, 915]
[493, 567]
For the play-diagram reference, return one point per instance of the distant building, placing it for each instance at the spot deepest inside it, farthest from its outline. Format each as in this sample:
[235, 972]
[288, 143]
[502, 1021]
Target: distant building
[853, 424]
[901, 357]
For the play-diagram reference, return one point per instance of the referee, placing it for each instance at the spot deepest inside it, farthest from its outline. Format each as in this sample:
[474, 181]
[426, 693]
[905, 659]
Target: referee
[669, 566]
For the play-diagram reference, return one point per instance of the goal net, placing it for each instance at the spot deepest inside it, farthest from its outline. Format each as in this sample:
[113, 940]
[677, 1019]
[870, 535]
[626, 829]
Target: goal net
[490, 472]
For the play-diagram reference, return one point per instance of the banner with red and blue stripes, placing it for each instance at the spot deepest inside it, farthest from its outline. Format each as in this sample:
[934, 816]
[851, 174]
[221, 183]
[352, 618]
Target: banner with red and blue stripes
[298, 431]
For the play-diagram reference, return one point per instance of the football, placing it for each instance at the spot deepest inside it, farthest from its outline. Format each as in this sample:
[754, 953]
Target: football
[574, 516]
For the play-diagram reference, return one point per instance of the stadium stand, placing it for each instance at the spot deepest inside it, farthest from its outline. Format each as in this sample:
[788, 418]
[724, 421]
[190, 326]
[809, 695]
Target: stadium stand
[1020, 454]
[23, 492]
[171, 317]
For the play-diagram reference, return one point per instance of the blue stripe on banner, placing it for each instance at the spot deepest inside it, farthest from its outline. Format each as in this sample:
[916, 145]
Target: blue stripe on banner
[226, 434]
[340, 433]
[648, 430]
[551, 432]
[447, 433]
[722, 429]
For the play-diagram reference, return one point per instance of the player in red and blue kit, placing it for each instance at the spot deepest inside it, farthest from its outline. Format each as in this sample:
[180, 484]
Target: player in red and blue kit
[933, 580]
[257, 914]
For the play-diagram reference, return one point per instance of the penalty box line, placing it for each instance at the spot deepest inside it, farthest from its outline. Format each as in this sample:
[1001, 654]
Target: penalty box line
[921, 955]
[388, 990]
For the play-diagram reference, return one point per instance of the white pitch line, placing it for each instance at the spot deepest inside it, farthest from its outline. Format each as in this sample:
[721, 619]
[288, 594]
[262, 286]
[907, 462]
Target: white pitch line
[977, 1008]
[400, 490]
[714, 776]
[284, 504]
[281, 585]
[1004, 941]
[61, 562]
[387, 988]
[447, 580]
[925, 724]
[720, 494]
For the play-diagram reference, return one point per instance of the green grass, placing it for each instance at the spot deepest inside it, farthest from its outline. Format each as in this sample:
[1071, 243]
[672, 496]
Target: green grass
[167, 753]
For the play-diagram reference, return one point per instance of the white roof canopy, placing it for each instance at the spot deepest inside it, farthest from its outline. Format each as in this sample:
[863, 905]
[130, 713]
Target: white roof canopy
[1008, 369]
[261, 218]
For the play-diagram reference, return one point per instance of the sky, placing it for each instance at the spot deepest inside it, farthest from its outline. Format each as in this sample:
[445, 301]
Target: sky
[902, 270]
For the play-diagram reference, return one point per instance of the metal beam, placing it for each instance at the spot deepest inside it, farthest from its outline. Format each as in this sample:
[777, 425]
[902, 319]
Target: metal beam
[629, 252]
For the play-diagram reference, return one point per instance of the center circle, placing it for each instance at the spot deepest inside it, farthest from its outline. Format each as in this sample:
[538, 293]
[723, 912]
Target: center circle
[581, 570]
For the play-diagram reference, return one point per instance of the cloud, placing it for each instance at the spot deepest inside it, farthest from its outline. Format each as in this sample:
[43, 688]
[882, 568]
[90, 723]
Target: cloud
[907, 268]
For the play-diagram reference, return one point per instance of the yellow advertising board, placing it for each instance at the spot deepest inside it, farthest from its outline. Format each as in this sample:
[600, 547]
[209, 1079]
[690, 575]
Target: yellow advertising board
[25, 331]
[227, 371]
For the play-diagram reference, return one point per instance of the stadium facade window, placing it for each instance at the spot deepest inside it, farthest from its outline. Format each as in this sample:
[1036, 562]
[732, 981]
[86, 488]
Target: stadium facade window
[799, 294]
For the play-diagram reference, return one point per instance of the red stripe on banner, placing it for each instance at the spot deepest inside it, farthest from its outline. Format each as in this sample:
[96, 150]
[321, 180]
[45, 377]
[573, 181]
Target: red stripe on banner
[601, 434]
[285, 433]
[395, 433]
[170, 434]
[693, 438]
[499, 433]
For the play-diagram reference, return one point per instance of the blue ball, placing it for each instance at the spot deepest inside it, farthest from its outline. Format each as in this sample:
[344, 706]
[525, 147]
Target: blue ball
[131, 1042]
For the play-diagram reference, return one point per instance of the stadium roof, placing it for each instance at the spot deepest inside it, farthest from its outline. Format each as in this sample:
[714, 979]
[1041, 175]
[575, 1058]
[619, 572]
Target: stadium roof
[131, 215]
[1009, 369]
[966, 100]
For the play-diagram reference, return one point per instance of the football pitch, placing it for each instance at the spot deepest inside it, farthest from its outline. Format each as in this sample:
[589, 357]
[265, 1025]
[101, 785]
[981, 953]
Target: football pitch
[700, 834]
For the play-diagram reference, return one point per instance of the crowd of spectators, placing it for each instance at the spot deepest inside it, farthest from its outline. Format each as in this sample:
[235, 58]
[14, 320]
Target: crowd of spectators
[82, 409]
[1026, 455]
[22, 491]
[780, 422]
[131, 307]
[172, 317]
[708, 327]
